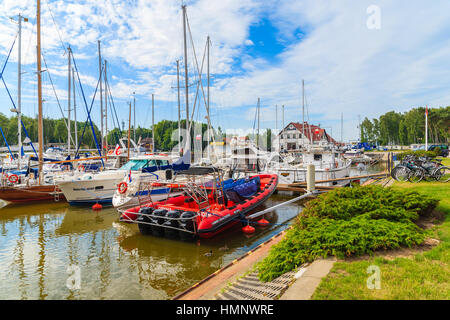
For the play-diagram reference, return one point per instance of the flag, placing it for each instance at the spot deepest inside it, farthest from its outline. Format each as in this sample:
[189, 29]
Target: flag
[129, 177]
[22, 153]
[426, 111]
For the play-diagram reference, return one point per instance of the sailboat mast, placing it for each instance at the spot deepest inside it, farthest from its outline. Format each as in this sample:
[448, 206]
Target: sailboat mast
[209, 122]
[303, 108]
[153, 122]
[38, 58]
[129, 133]
[179, 106]
[69, 86]
[257, 132]
[19, 98]
[134, 116]
[106, 110]
[101, 89]
[74, 109]
[186, 77]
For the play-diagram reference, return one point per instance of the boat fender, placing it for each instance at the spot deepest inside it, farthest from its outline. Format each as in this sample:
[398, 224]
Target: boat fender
[14, 178]
[248, 229]
[144, 216]
[122, 187]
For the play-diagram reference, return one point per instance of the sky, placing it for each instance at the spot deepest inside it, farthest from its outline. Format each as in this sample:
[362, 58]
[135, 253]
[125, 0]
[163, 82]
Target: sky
[357, 58]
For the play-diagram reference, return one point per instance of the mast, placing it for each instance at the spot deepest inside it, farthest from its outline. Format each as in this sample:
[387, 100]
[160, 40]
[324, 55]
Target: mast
[179, 106]
[276, 125]
[303, 108]
[101, 97]
[426, 128]
[106, 110]
[129, 132]
[342, 127]
[40, 120]
[134, 116]
[74, 109]
[186, 77]
[209, 122]
[257, 132]
[69, 86]
[19, 98]
[153, 122]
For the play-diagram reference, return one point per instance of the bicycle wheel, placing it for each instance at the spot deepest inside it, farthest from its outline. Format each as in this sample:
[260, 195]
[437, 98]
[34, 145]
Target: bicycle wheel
[401, 173]
[415, 175]
[442, 174]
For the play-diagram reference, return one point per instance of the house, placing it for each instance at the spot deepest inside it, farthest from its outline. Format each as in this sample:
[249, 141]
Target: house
[296, 135]
[147, 143]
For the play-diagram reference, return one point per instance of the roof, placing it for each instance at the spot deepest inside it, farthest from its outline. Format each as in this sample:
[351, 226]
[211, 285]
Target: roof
[310, 129]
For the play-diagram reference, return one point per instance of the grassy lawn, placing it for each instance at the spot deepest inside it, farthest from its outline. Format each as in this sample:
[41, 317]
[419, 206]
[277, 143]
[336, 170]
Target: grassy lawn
[423, 275]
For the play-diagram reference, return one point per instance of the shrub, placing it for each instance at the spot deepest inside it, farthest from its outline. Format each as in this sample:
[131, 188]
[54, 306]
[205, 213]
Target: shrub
[419, 153]
[349, 221]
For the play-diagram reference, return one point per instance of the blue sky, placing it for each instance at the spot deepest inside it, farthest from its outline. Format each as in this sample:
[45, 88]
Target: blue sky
[259, 49]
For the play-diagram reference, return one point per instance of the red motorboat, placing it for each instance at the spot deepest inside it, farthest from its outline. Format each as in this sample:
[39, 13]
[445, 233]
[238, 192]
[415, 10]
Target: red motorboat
[204, 209]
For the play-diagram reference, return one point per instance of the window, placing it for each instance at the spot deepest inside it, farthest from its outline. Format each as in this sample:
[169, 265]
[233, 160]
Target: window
[317, 157]
[134, 165]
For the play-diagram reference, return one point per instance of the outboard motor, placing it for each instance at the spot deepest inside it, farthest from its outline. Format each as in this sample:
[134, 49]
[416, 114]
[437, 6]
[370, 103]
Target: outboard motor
[145, 228]
[159, 215]
[174, 214]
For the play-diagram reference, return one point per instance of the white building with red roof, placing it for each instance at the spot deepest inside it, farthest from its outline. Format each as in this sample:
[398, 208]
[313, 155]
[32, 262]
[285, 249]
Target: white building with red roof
[295, 136]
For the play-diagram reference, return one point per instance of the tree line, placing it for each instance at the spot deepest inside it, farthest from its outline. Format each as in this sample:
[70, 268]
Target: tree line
[407, 128]
[55, 131]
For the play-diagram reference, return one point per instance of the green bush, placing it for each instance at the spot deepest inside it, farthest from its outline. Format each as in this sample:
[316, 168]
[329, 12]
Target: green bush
[346, 222]
[419, 153]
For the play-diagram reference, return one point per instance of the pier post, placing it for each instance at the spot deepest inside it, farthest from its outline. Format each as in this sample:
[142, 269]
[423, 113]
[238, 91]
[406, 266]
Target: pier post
[310, 178]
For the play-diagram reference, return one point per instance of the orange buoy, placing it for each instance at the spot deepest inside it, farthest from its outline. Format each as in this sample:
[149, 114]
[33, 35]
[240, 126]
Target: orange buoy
[248, 229]
[97, 207]
[263, 222]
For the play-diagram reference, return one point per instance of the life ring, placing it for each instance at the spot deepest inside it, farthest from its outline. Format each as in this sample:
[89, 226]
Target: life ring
[118, 152]
[81, 167]
[110, 152]
[122, 187]
[14, 178]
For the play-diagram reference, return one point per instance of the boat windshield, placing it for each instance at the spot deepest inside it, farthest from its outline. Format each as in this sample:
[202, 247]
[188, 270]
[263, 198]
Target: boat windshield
[134, 165]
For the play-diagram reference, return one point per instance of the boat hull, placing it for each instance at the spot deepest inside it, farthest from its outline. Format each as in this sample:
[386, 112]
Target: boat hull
[217, 217]
[32, 193]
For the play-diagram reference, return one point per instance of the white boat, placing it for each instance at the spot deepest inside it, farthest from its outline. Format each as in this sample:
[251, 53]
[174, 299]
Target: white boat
[86, 188]
[132, 189]
[328, 163]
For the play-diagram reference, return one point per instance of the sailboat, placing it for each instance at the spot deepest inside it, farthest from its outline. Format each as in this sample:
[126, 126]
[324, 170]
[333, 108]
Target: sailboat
[33, 188]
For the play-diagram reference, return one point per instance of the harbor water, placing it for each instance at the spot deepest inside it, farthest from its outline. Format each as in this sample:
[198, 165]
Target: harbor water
[55, 251]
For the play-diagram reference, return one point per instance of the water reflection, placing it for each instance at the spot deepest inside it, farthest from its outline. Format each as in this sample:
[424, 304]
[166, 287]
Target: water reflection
[39, 242]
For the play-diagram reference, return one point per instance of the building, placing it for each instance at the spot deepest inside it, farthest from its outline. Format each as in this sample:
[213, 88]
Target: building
[295, 136]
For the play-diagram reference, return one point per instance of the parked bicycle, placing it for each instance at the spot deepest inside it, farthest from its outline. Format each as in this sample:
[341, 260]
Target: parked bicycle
[416, 169]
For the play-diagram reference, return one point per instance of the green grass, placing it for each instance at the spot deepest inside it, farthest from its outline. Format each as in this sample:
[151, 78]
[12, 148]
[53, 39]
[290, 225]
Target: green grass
[425, 275]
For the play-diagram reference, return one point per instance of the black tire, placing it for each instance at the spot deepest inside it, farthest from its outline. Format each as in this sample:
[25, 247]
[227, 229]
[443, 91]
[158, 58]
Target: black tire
[400, 173]
[186, 221]
[442, 174]
[416, 175]
[173, 223]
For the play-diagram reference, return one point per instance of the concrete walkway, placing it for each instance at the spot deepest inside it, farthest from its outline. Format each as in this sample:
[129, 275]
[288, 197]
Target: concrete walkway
[308, 279]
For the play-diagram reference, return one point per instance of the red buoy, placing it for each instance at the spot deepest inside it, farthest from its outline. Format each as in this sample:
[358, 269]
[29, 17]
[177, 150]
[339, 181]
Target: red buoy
[263, 222]
[97, 207]
[248, 229]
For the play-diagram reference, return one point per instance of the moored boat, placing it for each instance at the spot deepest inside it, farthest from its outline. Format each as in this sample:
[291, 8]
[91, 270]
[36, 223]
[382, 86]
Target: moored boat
[203, 210]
